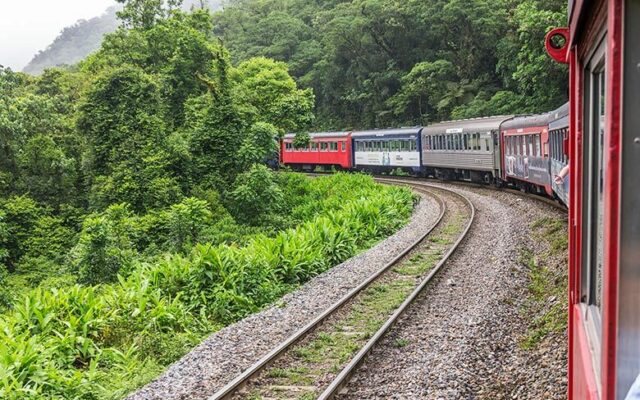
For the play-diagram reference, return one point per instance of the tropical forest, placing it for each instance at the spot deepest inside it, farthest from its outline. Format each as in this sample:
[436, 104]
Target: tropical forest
[140, 207]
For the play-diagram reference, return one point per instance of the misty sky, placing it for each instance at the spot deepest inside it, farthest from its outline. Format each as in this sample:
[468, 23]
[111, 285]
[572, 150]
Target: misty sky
[27, 26]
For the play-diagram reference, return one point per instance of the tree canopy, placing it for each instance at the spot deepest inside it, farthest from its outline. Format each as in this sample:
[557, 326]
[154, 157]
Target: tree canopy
[379, 63]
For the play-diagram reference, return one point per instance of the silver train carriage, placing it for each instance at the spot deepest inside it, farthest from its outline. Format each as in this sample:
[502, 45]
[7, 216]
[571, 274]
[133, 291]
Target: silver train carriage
[463, 150]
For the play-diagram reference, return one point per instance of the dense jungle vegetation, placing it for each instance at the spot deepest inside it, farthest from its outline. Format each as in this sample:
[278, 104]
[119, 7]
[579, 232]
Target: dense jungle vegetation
[383, 63]
[136, 213]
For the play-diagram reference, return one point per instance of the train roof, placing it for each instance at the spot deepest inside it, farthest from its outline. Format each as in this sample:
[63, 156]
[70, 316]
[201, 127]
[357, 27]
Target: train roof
[387, 132]
[485, 124]
[314, 135]
[527, 121]
[560, 118]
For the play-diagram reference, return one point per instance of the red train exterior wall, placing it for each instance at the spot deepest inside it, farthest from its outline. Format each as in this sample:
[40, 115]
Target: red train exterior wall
[584, 24]
[338, 158]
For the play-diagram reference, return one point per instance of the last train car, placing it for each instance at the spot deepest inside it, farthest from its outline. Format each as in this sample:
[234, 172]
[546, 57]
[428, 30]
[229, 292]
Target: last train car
[463, 150]
[384, 150]
[525, 149]
[325, 150]
[602, 47]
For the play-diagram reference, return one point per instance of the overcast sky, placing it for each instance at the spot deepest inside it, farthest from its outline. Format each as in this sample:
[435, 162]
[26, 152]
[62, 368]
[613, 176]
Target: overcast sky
[28, 26]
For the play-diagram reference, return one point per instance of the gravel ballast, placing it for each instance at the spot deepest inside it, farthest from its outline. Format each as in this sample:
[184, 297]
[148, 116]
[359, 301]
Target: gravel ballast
[463, 336]
[228, 352]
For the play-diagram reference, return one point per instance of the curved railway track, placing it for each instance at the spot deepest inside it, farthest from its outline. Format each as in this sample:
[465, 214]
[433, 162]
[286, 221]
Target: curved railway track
[346, 326]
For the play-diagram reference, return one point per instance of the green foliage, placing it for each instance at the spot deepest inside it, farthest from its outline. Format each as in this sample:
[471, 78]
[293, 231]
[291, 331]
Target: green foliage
[301, 140]
[270, 94]
[255, 196]
[375, 63]
[145, 14]
[103, 341]
[20, 216]
[105, 246]
[186, 222]
[259, 144]
[122, 120]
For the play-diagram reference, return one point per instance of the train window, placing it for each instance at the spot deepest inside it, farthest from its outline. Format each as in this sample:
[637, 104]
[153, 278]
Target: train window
[538, 145]
[593, 189]
[465, 140]
[475, 139]
[487, 144]
[333, 146]
[344, 146]
[314, 146]
[324, 146]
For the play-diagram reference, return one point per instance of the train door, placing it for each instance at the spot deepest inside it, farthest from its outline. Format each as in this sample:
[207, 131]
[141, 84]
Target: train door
[594, 174]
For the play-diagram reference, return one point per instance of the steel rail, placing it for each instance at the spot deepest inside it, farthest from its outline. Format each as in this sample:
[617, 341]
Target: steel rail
[343, 377]
[237, 383]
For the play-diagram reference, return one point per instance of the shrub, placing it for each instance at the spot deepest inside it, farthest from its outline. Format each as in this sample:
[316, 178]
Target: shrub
[186, 223]
[105, 247]
[20, 216]
[255, 195]
[101, 341]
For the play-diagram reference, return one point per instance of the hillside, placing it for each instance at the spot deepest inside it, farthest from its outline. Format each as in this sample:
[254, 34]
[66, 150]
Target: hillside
[77, 41]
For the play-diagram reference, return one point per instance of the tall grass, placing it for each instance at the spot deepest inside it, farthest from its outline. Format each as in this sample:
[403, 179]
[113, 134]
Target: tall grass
[93, 342]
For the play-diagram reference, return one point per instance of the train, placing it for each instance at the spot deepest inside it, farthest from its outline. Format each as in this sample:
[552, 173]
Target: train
[585, 154]
[528, 152]
[601, 46]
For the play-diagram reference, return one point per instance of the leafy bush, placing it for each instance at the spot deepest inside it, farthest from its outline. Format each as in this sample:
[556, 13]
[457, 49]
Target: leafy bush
[20, 216]
[105, 246]
[186, 223]
[97, 342]
[255, 195]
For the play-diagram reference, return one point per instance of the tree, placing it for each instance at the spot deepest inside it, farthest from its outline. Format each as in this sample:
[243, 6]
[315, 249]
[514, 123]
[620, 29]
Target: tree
[270, 94]
[20, 215]
[144, 14]
[255, 196]
[121, 120]
[46, 172]
[105, 248]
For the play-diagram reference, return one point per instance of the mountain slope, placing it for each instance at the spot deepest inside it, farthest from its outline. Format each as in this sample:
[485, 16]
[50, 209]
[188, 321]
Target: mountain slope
[77, 41]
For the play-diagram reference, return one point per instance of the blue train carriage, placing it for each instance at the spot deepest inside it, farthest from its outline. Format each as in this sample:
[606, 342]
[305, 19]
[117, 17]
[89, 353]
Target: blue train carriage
[387, 150]
[467, 150]
[559, 151]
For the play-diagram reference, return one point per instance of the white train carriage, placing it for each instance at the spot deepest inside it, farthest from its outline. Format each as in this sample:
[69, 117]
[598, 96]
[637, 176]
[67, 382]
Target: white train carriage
[387, 149]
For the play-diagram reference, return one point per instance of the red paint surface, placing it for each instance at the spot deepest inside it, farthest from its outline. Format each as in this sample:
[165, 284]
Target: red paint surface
[582, 378]
[612, 197]
[584, 383]
[338, 158]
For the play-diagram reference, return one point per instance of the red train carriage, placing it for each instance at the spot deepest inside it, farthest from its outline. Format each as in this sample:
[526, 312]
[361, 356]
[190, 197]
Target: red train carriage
[327, 149]
[525, 149]
[603, 50]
